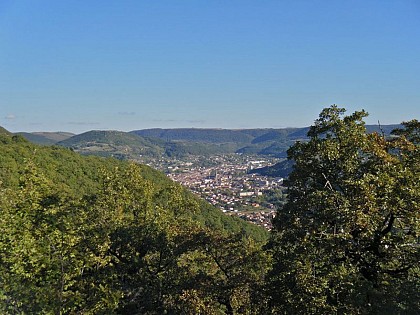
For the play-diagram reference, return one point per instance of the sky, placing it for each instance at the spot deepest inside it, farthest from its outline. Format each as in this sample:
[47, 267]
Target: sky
[125, 65]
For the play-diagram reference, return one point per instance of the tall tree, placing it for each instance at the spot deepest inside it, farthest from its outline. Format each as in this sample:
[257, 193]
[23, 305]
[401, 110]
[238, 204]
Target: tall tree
[347, 241]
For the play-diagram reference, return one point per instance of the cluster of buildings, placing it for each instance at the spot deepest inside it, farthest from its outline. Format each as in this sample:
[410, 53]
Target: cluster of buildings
[225, 183]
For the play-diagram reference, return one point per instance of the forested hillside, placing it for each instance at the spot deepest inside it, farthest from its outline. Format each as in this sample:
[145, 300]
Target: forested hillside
[280, 169]
[197, 135]
[81, 175]
[249, 141]
[116, 144]
[46, 138]
[130, 146]
[92, 235]
[88, 235]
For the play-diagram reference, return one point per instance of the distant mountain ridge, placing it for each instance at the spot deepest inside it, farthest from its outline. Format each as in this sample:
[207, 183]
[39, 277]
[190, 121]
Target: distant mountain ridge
[46, 138]
[117, 144]
[182, 141]
[212, 135]
[265, 141]
[196, 135]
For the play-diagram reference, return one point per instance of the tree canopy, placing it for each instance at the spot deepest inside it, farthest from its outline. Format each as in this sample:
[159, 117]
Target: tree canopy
[87, 235]
[84, 235]
[347, 241]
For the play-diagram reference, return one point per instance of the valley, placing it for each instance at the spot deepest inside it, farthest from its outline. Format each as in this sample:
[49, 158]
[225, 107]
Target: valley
[239, 172]
[143, 221]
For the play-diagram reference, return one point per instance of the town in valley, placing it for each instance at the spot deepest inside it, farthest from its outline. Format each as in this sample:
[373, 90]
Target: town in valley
[225, 182]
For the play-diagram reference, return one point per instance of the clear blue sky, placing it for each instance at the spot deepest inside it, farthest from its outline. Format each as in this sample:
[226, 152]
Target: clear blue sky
[125, 65]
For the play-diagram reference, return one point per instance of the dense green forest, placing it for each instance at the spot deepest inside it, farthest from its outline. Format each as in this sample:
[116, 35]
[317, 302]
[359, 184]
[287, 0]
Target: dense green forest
[89, 235]
[93, 235]
[347, 240]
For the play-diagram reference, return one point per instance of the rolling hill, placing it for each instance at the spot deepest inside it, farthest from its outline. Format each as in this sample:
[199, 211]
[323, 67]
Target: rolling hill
[247, 141]
[181, 142]
[45, 138]
[125, 145]
[99, 232]
[118, 144]
[197, 135]
[4, 131]
[79, 175]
